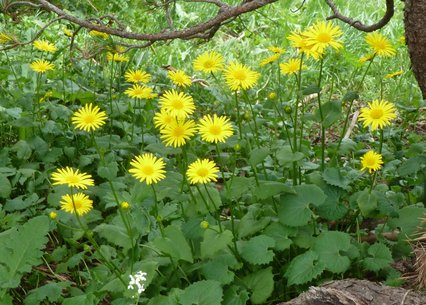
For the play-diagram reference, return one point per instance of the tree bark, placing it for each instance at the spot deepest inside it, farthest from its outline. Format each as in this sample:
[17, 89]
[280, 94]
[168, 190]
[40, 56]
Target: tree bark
[358, 292]
[415, 36]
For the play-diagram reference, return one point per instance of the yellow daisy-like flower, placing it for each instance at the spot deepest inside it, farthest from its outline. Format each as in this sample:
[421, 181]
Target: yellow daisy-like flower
[72, 178]
[102, 35]
[163, 119]
[124, 205]
[44, 45]
[78, 203]
[380, 44]
[89, 118]
[67, 32]
[140, 92]
[322, 35]
[53, 215]
[394, 74]
[378, 114]
[239, 76]
[137, 76]
[178, 132]
[215, 129]
[366, 58]
[147, 168]
[299, 41]
[202, 171]
[41, 66]
[179, 78]
[371, 161]
[4, 38]
[276, 50]
[208, 62]
[291, 66]
[269, 59]
[177, 104]
[117, 57]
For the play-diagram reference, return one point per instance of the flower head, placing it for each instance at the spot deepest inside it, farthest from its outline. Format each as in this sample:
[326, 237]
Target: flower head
[323, 34]
[178, 132]
[394, 74]
[116, 57]
[140, 92]
[67, 32]
[4, 38]
[77, 203]
[208, 62]
[378, 114]
[177, 104]
[276, 50]
[269, 59]
[239, 76]
[292, 66]
[300, 42]
[137, 76]
[202, 171]
[41, 66]
[163, 119]
[380, 44]
[72, 178]
[53, 215]
[89, 118]
[44, 45]
[102, 35]
[147, 168]
[124, 205]
[179, 78]
[371, 161]
[215, 128]
[138, 279]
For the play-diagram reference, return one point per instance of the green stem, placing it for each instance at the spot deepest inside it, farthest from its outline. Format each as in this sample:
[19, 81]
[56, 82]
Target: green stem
[238, 116]
[217, 210]
[321, 116]
[159, 221]
[256, 129]
[111, 119]
[381, 140]
[234, 239]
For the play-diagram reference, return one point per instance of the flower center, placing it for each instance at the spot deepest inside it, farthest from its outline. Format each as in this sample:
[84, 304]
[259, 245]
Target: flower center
[376, 114]
[72, 179]
[177, 104]
[202, 172]
[178, 131]
[208, 64]
[324, 37]
[148, 170]
[370, 162]
[240, 75]
[215, 130]
[77, 204]
[89, 119]
[380, 45]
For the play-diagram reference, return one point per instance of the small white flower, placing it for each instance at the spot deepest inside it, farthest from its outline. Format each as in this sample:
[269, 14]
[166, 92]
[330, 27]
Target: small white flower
[137, 280]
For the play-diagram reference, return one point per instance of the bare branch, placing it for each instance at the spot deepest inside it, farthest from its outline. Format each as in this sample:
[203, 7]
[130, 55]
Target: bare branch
[9, 5]
[358, 24]
[215, 2]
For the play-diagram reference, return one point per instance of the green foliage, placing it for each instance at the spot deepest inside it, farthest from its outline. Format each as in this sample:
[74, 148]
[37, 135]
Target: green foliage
[203, 292]
[331, 248]
[304, 268]
[260, 284]
[379, 257]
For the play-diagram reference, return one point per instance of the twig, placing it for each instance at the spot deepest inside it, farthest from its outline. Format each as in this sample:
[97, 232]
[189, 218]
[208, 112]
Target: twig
[352, 125]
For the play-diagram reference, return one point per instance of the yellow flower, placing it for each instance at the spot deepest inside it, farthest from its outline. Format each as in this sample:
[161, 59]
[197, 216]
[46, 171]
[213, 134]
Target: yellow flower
[41, 66]
[239, 76]
[67, 32]
[371, 161]
[366, 58]
[299, 41]
[322, 35]
[179, 78]
[202, 171]
[394, 74]
[147, 168]
[380, 44]
[78, 203]
[124, 205]
[102, 35]
[89, 118]
[140, 92]
[208, 62]
[276, 50]
[269, 59]
[401, 39]
[378, 114]
[44, 45]
[177, 104]
[178, 132]
[4, 38]
[117, 57]
[163, 119]
[215, 129]
[291, 66]
[72, 178]
[272, 95]
[53, 215]
[137, 76]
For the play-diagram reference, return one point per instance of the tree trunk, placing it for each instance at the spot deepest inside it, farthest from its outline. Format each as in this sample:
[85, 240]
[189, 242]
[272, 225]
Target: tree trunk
[415, 36]
[358, 292]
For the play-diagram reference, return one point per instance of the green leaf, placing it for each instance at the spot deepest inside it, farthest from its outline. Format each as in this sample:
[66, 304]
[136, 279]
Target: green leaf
[109, 171]
[255, 250]
[332, 112]
[51, 292]
[20, 250]
[238, 187]
[285, 156]
[294, 208]
[304, 268]
[408, 221]
[257, 155]
[328, 246]
[253, 221]
[267, 189]
[174, 244]
[203, 293]
[261, 285]
[235, 296]
[379, 257]
[23, 150]
[336, 177]
[5, 187]
[311, 89]
[367, 202]
[350, 96]
[214, 241]
[115, 234]
[412, 165]
[218, 268]
[84, 299]
[280, 235]
[333, 208]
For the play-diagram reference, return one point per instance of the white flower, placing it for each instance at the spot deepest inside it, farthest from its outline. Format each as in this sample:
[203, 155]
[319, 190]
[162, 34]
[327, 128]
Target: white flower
[137, 280]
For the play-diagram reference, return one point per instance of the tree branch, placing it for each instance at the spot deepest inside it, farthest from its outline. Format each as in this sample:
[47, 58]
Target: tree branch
[358, 24]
